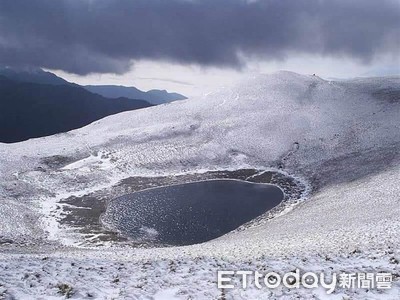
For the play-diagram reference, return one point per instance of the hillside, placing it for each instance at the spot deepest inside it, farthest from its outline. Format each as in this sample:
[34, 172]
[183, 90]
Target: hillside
[339, 140]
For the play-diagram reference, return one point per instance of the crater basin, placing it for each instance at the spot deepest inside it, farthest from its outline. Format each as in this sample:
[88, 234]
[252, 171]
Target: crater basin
[190, 213]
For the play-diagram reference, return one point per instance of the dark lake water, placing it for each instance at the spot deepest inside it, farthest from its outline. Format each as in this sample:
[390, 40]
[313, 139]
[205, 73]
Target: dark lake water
[190, 213]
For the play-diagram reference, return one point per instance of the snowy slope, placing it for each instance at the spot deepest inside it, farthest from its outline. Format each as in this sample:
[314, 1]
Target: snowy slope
[342, 138]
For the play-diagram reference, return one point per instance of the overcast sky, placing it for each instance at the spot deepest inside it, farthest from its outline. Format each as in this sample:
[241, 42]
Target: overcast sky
[192, 45]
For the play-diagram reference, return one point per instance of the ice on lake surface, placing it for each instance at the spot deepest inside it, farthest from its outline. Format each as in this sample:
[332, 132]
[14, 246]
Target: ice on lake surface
[190, 213]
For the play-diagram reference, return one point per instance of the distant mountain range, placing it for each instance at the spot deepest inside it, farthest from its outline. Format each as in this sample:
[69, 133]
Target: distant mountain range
[37, 75]
[36, 103]
[152, 96]
[29, 110]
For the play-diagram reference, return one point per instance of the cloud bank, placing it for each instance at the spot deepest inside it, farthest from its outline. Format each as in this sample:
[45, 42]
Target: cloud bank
[85, 36]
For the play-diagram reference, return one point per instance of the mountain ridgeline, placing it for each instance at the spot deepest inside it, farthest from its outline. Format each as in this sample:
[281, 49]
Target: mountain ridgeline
[152, 96]
[35, 103]
[34, 75]
[37, 75]
[29, 110]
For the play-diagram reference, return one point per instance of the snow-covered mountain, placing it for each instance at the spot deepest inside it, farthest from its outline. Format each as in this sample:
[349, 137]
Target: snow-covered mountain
[341, 139]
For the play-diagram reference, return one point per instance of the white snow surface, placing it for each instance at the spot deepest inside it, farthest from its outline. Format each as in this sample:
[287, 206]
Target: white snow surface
[342, 138]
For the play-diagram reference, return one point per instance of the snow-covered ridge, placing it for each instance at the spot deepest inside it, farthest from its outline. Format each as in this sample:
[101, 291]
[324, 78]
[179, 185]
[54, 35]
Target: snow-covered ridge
[285, 120]
[341, 137]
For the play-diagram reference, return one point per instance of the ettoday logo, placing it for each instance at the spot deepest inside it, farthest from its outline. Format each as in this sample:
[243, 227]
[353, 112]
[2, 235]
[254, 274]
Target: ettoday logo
[308, 280]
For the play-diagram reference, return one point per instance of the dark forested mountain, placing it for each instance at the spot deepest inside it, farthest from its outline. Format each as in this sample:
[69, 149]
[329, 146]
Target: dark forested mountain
[34, 75]
[152, 96]
[37, 75]
[35, 103]
[29, 110]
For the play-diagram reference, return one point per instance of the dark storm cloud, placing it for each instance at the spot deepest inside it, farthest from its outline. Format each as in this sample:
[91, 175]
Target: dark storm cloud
[83, 36]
